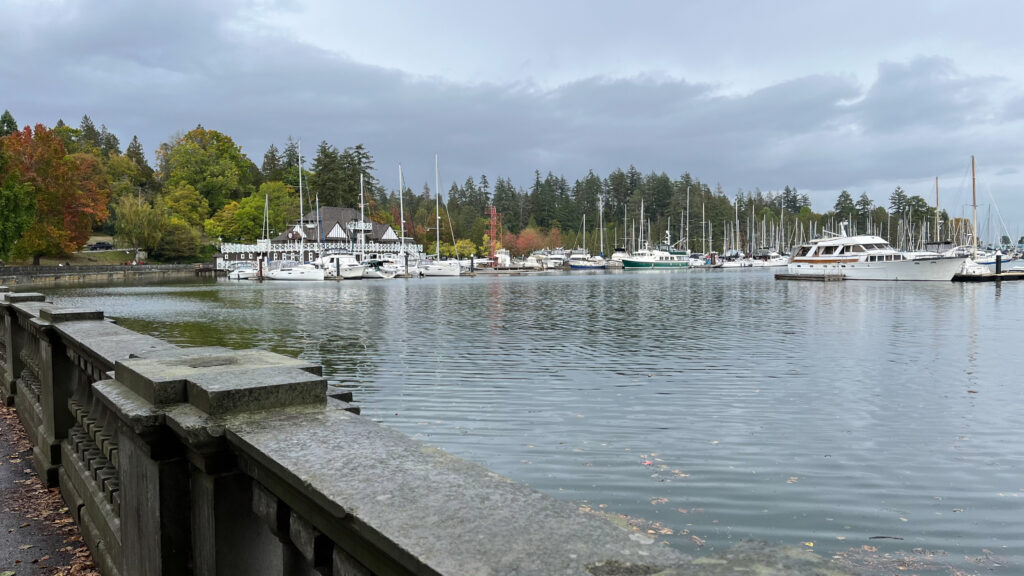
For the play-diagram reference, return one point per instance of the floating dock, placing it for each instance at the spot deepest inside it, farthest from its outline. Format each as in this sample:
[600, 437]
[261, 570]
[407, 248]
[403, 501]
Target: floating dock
[991, 277]
[810, 277]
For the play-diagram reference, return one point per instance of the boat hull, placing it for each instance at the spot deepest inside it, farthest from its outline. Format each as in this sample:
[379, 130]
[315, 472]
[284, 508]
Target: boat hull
[296, 274]
[644, 264]
[917, 270]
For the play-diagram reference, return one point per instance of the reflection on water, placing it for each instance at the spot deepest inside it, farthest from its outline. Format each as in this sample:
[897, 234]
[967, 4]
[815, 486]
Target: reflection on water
[720, 405]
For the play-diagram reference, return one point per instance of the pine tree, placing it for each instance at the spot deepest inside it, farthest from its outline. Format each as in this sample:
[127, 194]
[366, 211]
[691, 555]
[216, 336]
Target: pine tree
[273, 164]
[89, 136]
[7, 124]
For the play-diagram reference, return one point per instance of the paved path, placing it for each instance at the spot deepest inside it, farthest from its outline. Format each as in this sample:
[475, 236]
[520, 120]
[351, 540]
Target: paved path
[37, 536]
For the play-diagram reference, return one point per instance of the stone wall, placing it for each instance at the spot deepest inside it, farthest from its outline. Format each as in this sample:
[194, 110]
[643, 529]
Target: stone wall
[41, 277]
[213, 461]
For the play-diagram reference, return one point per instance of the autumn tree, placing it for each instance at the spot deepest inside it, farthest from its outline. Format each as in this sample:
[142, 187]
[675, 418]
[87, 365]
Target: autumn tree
[71, 193]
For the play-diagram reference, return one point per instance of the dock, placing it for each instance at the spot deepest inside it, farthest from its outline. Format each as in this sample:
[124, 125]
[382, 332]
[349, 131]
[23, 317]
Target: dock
[1008, 276]
[810, 277]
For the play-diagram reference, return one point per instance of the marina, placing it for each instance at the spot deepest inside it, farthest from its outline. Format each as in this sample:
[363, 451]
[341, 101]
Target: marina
[690, 417]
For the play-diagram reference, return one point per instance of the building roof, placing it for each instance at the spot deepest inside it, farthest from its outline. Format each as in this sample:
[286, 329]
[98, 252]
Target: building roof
[335, 226]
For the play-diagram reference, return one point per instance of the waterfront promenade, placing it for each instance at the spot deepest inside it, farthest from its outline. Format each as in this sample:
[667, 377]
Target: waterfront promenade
[215, 461]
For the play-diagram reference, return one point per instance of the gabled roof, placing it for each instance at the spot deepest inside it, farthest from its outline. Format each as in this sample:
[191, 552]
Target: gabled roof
[334, 220]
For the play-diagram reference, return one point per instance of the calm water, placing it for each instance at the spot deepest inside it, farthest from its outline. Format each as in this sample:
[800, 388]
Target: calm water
[705, 406]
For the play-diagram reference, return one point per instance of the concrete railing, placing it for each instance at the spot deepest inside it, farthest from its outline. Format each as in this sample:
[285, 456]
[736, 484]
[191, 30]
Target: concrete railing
[215, 461]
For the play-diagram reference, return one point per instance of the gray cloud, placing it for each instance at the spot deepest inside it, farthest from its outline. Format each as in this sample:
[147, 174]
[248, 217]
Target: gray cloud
[159, 68]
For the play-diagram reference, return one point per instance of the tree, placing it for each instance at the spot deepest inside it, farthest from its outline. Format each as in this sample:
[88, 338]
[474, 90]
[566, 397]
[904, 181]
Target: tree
[71, 193]
[88, 136]
[243, 221]
[273, 164]
[864, 206]
[898, 201]
[210, 162]
[179, 242]
[138, 224]
[844, 204]
[328, 178]
[184, 202]
[7, 124]
[17, 203]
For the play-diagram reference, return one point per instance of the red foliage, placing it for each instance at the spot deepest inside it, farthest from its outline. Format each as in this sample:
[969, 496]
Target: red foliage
[71, 192]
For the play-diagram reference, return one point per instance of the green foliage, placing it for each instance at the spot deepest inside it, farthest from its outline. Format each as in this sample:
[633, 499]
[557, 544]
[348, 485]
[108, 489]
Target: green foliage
[183, 201]
[17, 203]
[179, 242]
[243, 221]
[211, 163]
[138, 224]
[898, 201]
[7, 124]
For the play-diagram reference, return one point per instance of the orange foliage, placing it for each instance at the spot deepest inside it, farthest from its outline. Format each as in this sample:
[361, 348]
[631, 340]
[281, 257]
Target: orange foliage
[72, 192]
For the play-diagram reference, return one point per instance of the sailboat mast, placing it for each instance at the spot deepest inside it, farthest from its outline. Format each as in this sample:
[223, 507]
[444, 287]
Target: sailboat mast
[974, 204]
[437, 210]
[600, 220]
[362, 223]
[302, 226]
[686, 245]
[936, 210]
[401, 210]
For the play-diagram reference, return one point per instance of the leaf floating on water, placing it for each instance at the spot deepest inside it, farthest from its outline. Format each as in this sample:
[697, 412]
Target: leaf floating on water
[713, 442]
[656, 501]
[698, 541]
[647, 462]
[792, 480]
[809, 544]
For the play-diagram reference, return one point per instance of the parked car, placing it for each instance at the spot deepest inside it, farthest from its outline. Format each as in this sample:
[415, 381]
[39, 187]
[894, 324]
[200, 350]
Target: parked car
[101, 246]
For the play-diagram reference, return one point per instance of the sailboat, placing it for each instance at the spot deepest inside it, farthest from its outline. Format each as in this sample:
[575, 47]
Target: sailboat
[438, 267]
[301, 271]
[590, 262]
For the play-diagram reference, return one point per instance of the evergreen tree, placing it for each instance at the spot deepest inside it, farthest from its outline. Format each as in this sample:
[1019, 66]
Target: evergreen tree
[273, 165]
[864, 207]
[897, 201]
[89, 136]
[7, 124]
[108, 143]
[327, 180]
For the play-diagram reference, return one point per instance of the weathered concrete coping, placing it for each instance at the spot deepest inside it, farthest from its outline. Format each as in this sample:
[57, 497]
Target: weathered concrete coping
[417, 501]
[107, 342]
[219, 382]
[55, 314]
[16, 297]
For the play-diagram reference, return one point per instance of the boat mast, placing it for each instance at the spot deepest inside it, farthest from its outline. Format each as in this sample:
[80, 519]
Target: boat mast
[437, 211]
[600, 220]
[686, 244]
[936, 211]
[362, 223]
[302, 224]
[401, 218]
[974, 204]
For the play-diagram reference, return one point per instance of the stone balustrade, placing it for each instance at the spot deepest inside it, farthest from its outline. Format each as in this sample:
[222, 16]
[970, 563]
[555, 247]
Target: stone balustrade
[212, 461]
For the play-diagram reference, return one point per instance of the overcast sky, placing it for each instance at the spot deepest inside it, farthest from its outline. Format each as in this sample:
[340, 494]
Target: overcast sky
[822, 96]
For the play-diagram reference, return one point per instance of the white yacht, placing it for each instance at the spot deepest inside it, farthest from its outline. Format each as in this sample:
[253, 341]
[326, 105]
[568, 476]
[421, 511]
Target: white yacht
[867, 257]
[306, 272]
[341, 265]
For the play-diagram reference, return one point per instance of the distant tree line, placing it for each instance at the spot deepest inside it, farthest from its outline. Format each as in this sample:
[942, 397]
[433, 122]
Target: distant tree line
[58, 185]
